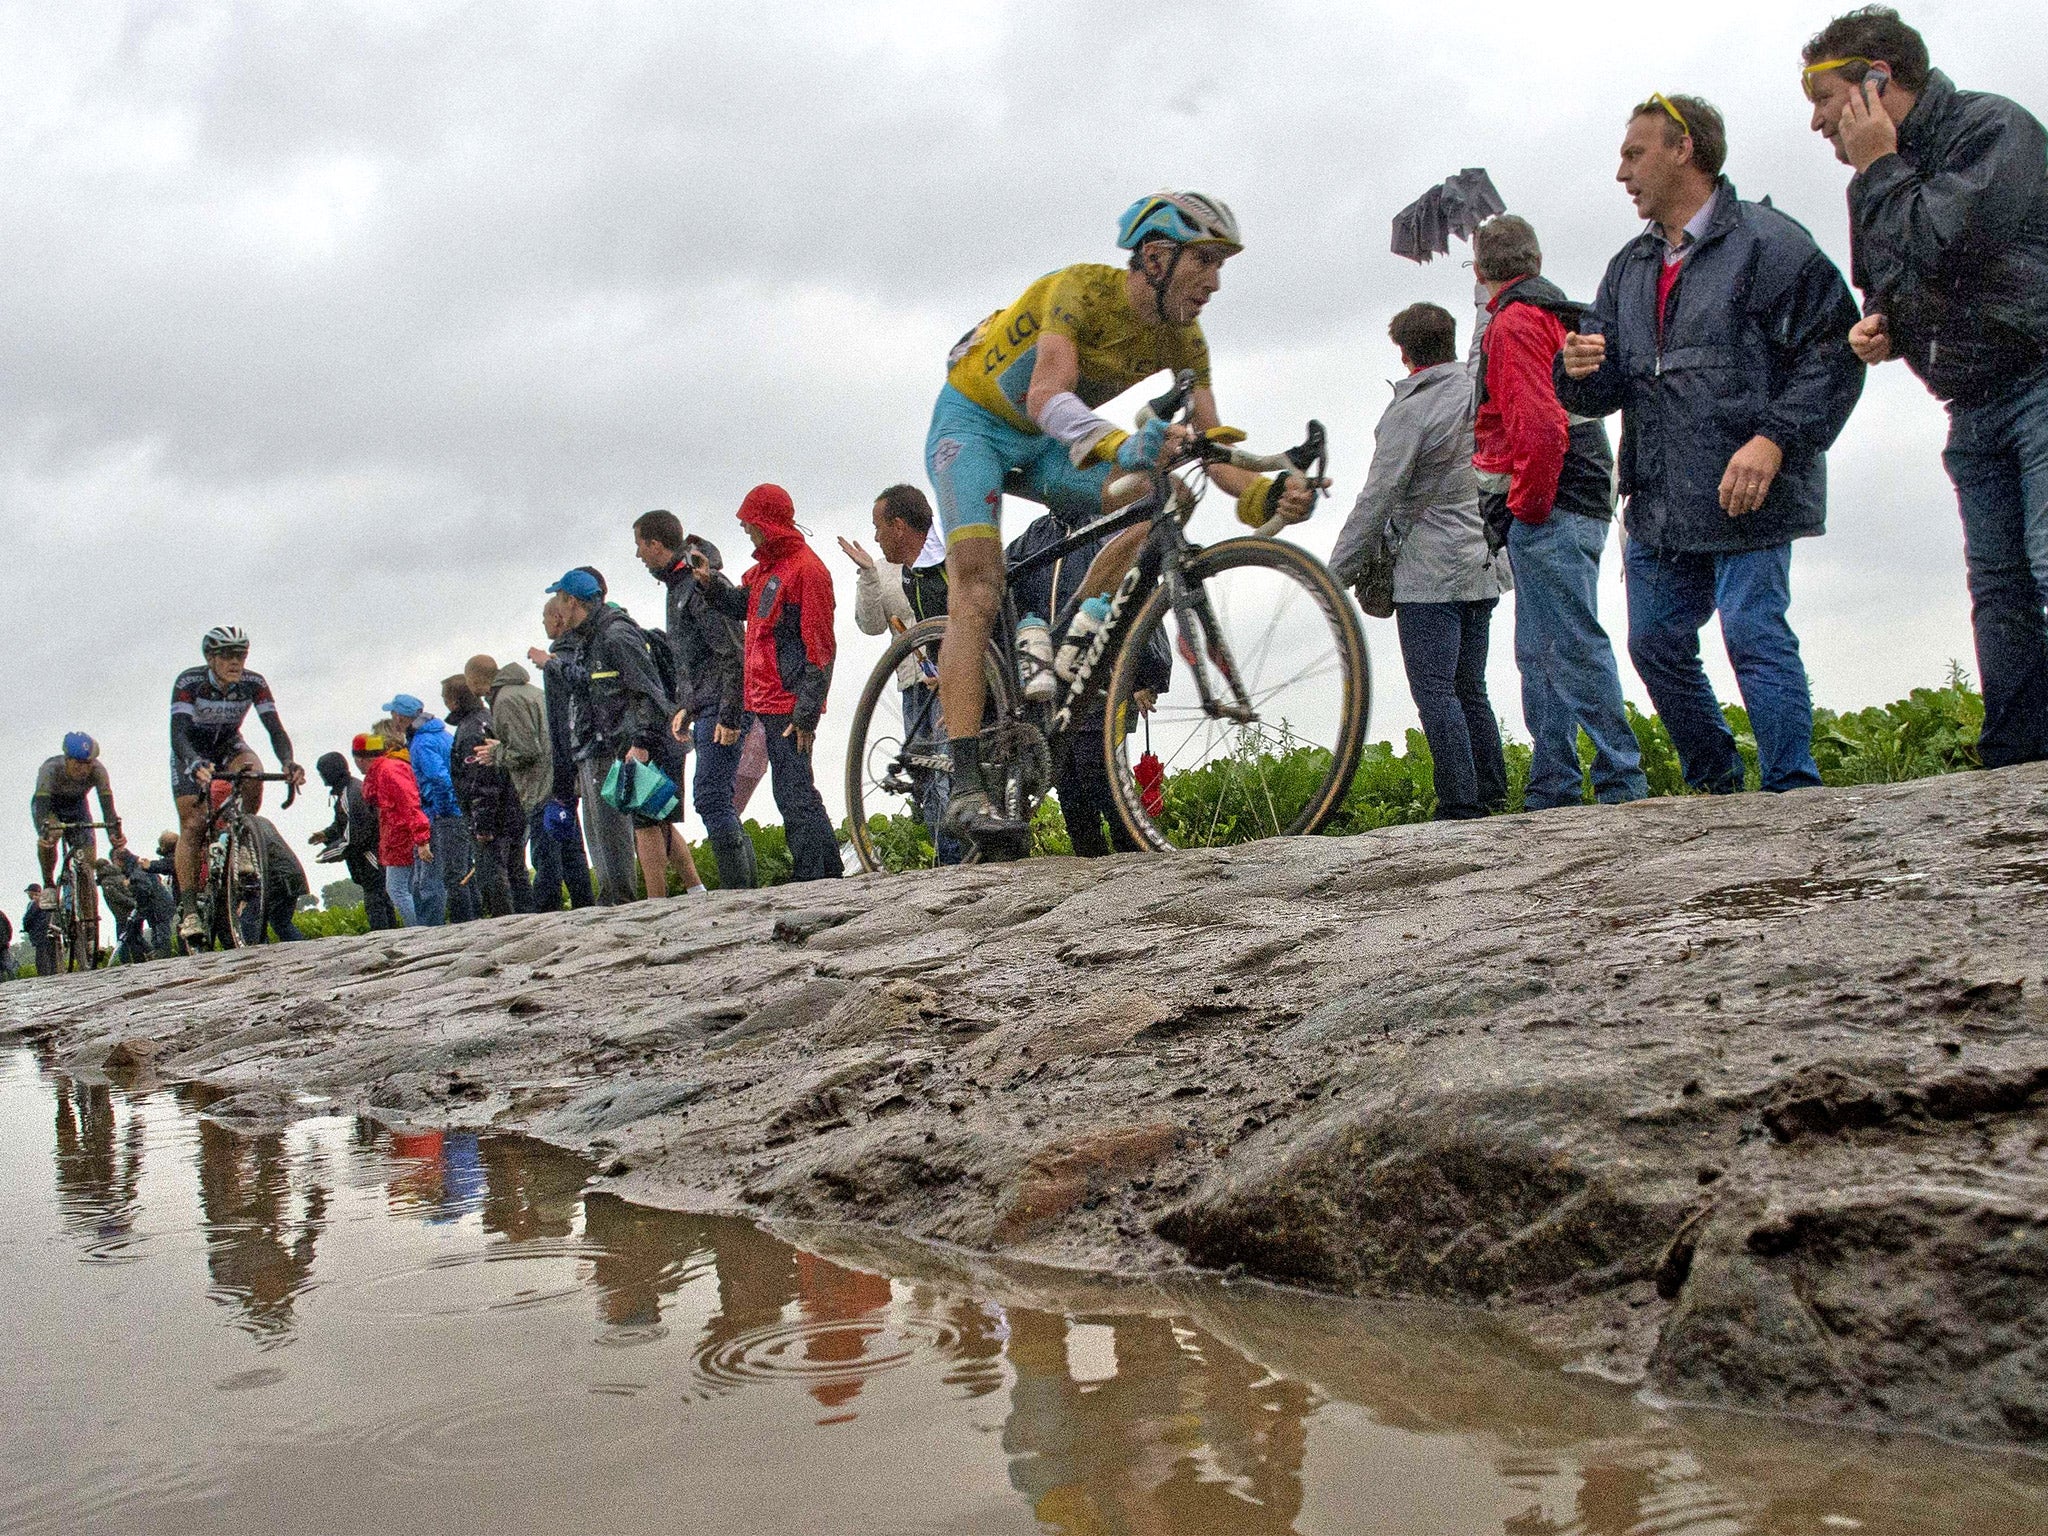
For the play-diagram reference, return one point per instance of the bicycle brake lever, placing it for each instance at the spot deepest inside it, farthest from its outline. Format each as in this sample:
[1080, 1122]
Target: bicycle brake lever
[1311, 458]
[1173, 402]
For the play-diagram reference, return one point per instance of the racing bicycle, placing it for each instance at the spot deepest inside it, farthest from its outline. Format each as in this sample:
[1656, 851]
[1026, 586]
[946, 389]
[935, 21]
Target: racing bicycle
[75, 933]
[1258, 733]
[234, 878]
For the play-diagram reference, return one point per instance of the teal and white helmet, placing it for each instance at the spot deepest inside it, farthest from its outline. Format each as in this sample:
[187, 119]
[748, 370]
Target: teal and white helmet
[1185, 218]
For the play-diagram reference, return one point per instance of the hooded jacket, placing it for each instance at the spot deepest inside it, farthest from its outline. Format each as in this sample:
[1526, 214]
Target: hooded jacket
[1520, 430]
[354, 819]
[430, 746]
[1948, 240]
[707, 644]
[402, 826]
[1754, 342]
[519, 714]
[786, 600]
[622, 696]
[484, 790]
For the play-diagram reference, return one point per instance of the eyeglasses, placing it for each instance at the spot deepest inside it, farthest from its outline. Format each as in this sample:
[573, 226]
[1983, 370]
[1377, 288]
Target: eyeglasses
[1659, 99]
[1806, 75]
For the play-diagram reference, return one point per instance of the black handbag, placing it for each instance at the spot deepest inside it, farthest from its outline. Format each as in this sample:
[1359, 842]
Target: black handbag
[1375, 584]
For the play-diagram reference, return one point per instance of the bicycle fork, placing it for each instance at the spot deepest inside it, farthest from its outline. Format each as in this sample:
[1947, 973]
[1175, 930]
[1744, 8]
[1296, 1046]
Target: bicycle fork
[1204, 645]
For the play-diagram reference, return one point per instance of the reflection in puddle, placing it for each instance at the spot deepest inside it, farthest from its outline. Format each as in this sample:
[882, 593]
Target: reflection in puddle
[330, 1326]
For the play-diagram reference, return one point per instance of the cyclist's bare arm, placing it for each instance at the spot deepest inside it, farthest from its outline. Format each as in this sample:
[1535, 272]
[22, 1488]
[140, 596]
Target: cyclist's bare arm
[1055, 370]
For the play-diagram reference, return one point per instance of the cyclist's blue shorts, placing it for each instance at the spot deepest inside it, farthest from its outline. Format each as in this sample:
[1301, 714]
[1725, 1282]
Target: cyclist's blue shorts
[968, 454]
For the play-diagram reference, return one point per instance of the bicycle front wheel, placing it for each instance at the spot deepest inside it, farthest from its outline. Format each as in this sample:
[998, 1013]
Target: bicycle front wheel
[85, 915]
[898, 772]
[240, 913]
[1283, 657]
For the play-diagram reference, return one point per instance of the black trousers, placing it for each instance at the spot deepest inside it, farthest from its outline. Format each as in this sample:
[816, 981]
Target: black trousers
[813, 844]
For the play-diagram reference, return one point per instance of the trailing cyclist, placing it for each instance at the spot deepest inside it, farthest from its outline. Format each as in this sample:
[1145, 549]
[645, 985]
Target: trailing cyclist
[208, 705]
[1020, 398]
[62, 785]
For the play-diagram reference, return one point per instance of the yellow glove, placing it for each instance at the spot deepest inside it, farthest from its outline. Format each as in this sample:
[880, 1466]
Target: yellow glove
[1256, 501]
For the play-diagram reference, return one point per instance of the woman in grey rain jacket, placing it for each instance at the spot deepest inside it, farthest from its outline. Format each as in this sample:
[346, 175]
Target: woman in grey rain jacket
[1421, 500]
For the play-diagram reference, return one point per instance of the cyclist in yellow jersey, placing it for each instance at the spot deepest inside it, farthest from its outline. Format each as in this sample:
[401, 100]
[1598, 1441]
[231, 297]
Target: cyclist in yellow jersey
[1020, 397]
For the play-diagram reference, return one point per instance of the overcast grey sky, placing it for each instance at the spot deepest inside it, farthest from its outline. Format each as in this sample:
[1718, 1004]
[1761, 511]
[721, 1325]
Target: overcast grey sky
[355, 324]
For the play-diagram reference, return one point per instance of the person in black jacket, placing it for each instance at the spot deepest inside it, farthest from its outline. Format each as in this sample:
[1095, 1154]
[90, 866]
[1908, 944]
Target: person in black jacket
[555, 842]
[1087, 803]
[628, 713]
[1721, 334]
[484, 792]
[39, 928]
[354, 830]
[1948, 239]
[711, 712]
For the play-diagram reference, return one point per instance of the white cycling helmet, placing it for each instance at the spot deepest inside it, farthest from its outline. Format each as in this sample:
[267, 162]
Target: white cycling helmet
[223, 637]
[1185, 218]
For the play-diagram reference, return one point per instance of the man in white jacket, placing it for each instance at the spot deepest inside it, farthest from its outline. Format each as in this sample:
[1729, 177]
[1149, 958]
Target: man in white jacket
[904, 587]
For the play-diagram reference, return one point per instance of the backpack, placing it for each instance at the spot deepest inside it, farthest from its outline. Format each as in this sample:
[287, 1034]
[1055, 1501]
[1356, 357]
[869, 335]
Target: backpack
[664, 655]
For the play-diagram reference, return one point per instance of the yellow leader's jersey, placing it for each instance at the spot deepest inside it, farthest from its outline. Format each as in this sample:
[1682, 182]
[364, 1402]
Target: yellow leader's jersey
[1090, 306]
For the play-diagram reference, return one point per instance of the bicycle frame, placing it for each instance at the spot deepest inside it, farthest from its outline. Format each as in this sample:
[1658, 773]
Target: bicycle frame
[1162, 555]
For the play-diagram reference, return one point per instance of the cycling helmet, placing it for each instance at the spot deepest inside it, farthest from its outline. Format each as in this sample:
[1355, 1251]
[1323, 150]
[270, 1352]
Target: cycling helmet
[223, 637]
[80, 748]
[1185, 218]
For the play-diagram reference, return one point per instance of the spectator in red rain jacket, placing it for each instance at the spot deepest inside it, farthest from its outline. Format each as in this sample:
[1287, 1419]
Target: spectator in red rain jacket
[1546, 495]
[405, 838]
[786, 600]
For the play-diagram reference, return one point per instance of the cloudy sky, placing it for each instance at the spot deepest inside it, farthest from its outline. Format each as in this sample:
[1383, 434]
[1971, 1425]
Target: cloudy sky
[356, 323]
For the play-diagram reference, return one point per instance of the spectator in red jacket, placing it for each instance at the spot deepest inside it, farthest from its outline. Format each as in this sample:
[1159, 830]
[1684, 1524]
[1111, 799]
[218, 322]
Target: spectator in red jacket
[1546, 492]
[786, 600]
[405, 838]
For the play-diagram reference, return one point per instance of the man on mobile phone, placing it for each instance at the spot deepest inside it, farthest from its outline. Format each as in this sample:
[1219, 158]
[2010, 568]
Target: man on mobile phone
[1948, 236]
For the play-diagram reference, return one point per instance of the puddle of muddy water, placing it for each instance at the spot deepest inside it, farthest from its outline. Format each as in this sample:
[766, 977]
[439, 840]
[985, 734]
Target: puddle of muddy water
[332, 1328]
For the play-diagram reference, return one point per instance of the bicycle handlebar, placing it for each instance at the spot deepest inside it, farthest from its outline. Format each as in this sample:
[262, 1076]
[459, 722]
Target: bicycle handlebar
[1309, 458]
[246, 777]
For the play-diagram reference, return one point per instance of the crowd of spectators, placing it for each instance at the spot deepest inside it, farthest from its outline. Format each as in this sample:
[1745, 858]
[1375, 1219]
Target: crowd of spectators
[1729, 345]
[1734, 353]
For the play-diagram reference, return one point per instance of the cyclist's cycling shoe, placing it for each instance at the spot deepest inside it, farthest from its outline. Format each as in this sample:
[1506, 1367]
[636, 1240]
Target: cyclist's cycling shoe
[46, 898]
[996, 836]
[190, 928]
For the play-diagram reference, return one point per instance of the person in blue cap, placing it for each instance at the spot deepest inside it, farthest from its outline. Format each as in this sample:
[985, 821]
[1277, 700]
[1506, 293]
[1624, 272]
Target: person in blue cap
[627, 709]
[62, 784]
[445, 886]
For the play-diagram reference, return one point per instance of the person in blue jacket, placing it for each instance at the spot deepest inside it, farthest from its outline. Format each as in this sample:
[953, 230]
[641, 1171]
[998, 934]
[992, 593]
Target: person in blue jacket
[1721, 333]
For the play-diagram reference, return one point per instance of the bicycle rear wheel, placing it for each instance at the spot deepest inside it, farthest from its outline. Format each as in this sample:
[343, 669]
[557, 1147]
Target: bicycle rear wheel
[898, 771]
[1272, 613]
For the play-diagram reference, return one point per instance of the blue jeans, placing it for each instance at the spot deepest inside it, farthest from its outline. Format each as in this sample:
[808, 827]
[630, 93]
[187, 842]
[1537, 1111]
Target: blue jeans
[717, 768]
[401, 885]
[1443, 648]
[557, 864]
[1569, 680]
[1997, 456]
[1670, 597]
[813, 844]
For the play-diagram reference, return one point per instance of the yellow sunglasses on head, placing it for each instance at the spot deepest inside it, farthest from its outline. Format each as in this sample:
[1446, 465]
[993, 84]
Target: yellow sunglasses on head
[1825, 66]
[1659, 99]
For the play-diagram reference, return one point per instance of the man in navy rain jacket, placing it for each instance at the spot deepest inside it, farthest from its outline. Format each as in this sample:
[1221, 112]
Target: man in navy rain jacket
[1721, 335]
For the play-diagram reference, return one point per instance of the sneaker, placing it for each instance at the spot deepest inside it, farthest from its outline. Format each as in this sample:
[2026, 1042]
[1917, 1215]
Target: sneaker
[971, 818]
